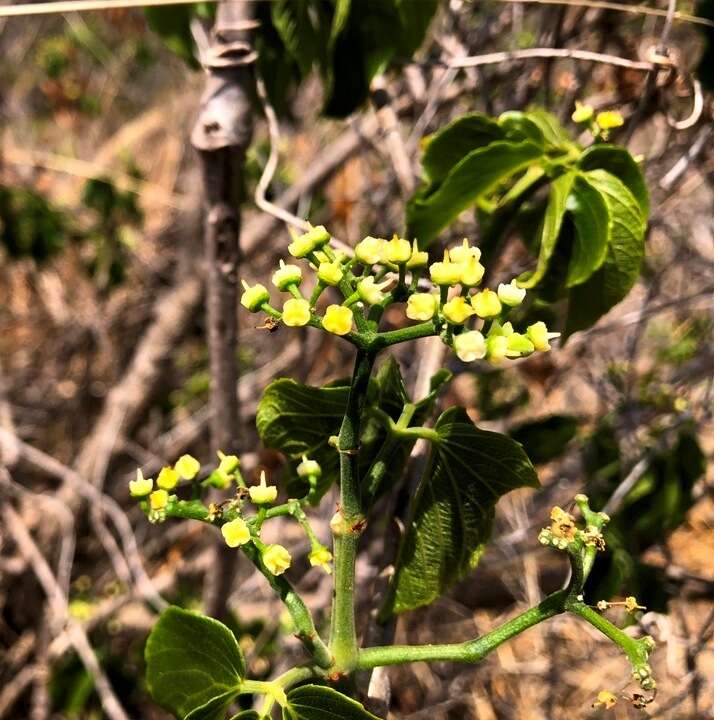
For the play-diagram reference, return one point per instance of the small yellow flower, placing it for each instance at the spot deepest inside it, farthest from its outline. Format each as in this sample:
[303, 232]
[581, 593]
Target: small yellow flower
[582, 113]
[303, 245]
[228, 463]
[235, 532]
[286, 276]
[609, 119]
[496, 348]
[167, 478]
[321, 557]
[457, 310]
[470, 346]
[140, 487]
[419, 258]
[518, 345]
[296, 312]
[187, 467]
[277, 559]
[603, 605]
[397, 250]
[263, 494]
[605, 699]
[486, 304]
[562, 524]
[511, 294]
[370, 250]
[158, 500]
[445, 272]
[330, 273]
[471, 272]
[464, 252]
[337, 320]
[631, 604]
[370, 291]
[540, 337]
[422, 306]
[308, 468]
[254, 296]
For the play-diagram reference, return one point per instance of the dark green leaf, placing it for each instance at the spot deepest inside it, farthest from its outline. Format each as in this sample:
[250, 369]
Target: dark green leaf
[479, 171]
[415, 20]
[519, 126]
[316, 702]
[291, 18]
[193, 663]
[545, 439]
[603, 290]
[452, 511]
[591, 218]
[454, 141]
[618, 162]
[550, 231]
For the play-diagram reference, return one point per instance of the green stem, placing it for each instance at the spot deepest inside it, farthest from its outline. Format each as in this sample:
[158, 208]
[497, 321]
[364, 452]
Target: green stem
[472, 651]
[411, 332]
[343, 633]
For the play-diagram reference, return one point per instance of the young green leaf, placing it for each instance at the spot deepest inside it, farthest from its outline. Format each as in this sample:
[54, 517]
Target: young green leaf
[316, 702]
[452, 512]
[194, 666]
[519, 126]
[604, 289]
[618, 162]
[591, 218]
[552, 221]
[454, 141]
[477, 173]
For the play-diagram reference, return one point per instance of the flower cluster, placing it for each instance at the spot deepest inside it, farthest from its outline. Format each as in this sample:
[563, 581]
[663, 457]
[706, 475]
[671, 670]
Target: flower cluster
[237, 529]
[599, 124]
[565, 534]
[444, 295]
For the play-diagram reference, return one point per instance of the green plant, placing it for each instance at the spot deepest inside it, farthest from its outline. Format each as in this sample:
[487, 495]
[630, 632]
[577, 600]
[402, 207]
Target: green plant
[358, 434]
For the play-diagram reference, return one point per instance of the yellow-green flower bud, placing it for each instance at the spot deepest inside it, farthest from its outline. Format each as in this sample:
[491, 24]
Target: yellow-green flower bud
[422, 306]
[187, 467]
[470, 346]
[496, 348]
[370, 291]
[254, 296]
[540, 337]
[158, 500]
[445, 272]
[457, 310]
[140, 487]
[609, 119]
[511, 294]
[321, 557]
[397, 250]
[235, 532]
[471, 272]
[286, 276]
[330, 273]
[337, 320]
[296, 312]
[308, 468]
[370, 250]
[419, 258]
[582, 113]
[228, 463]
[518, 344]
[263, 494]
[465, 251]
[277, 559]
[167, 478]
[303, 245]
[486, 304]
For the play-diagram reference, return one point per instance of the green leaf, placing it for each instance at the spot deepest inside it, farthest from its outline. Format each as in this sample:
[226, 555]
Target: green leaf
[453, 509]
[415, 20]
[591, 218]
[519, 126]
[553, 132]
[611, 283]
[448, 146]
[618, 162]
[194, 666]
[477, 173]
[316, 702]
[246, 715]
[550, 231]
[291, 19]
